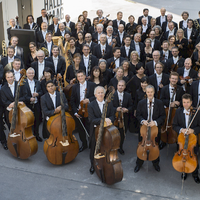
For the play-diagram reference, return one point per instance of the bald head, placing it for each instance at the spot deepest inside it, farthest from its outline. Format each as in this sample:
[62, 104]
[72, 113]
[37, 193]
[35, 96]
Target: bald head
[188, 63]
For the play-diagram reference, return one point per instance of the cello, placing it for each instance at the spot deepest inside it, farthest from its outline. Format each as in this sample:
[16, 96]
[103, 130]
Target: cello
[185, 160]
[147, 148]
[21, 141]
[61, 147]
[168, 135]
[106, 161]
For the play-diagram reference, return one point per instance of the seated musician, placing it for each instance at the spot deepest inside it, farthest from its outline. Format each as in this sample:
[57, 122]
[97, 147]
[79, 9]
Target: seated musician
[122, 102]
[16, 68]
[95, 109]
[157, 119]
[167, 94]
[19, 52]
[50, 104]
[79, 93]
[34, 92]
[159, 79]
[165, 53]
[8, 93]
[180, 124]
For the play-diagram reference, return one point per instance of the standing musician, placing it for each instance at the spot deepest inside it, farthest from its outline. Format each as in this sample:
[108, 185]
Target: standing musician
[12, 26]
[19, 52]
[96, 35]
[88, 41]
[119, 20]
[43, 18]
[146, 16]
[171, 30]
[30, 24]
[16, 69]
[110, 37]
[50, 104]
[54, 28]
[157, 118]
[165, 25]
[120, 35]
[165, 53]
[95, 109]
[162, 18]
[82, 92]
[34, 92]
[159, 79]
[180, 124]
[69, 23]
[122, 102]
[41, 35]
[183, 23]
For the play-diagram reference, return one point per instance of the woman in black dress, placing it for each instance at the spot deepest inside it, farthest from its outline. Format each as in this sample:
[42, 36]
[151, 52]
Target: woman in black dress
[148, 51]
[80, 41]
[32, 54]
[73, 48]
[127, 74]
[134, 60]
[78, 27]
[131, 26]
[85, 25]
[158, 33]
[70, 75]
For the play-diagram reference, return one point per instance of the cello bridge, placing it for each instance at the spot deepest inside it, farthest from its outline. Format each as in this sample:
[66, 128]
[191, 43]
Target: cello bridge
[65, 143]
[14, 135]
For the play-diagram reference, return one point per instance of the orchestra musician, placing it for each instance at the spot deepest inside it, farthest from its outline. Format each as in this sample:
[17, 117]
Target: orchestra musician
[162, 18]
[12, 26]
[146, 16]
[118, 21]
[95, 109]
[54, 28]
[43, 18]
[180, 124]
[69, 23]
[41, 35]
[19, 52]
[157, 119]
[165, 25]
[30, 24]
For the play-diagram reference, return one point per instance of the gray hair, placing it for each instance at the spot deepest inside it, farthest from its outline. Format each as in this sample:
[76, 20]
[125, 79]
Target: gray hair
[157, 26]
[30, 69]
[100, 25]
[109, 27]
[150, 86]
[137, 34]
[102, 61]
[99, 87]
[40, 51]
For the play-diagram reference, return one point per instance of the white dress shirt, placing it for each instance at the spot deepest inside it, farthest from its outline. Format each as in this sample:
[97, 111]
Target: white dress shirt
[12, 89]
[186, 72]
[184, 23]
[166, 53]
[55, 27]
[40, 69]
[154, 64]
[127, 50]
[49, 44]
[68, 24]
[118, 23]
[10, 59]
[198, 94]
[121, 35]
[152, 43]
[32, 88]
[15, 51]
[99, 37]
[187, 115]
[82, 90]
[101, 104]
[31, 25]
[159, 79]
[17, 74]
[167, 28]
[175, 59]
[137, 47]
[146, 19]
[53, 98]
[162, 19]
[44, 34]
[103, 49]
[109, 39]
[55, 61]
[86, 63]
[189, 31]
[44, 19]
[117, 64]
[89, 44]
[120, 96]
[144, 28]
[171, 32]
[171, 91]
[62, 33]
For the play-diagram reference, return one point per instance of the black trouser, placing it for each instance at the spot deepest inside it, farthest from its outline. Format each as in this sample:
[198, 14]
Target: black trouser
[92, 147]
[80, 129]
[2, 133]
[6, 113]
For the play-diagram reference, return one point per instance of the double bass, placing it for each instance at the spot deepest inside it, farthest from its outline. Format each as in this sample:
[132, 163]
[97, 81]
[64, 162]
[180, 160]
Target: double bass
[21, 141]
[185, 160]
[147, 148]
[168, 135]
[106, 161]
[61, 147]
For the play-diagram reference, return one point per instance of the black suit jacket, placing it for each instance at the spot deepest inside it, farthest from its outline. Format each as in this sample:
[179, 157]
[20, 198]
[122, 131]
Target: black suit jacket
[119, 43]
[1, 73]
[179, 121]
[61, 66]
[75, 97]
[34, 65]
[93, 44]
[8, 98]
[39, 21]
[108, 52]
[72, 26]
[4, 61]
[110, 60]
[142, 56]
[166, 34]
[153, 81]
[51, 28]
[149, 68]
[140, 20]
[158, 20]
[44, 44]
[58, 33]
[193, 35]
[165, 24]
[115, 23]
[8, 31]
[35, 26]
[20, 53]
[123, 52]
[47, 104]
[194, 91]
[165, 96]
[91, 30]
[157, 45]
[169, 55]
[95, 37]
[170, 62]
[158, 111]
[39, 38]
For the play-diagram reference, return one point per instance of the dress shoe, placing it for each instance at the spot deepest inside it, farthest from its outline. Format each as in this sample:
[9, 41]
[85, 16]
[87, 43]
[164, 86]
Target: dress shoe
[92, 170]
[121, 151]
[82, 148]
[162, 145]
[157, 168]
[137, 169]
[5, 146]
[39, 139]
[196, 179]
[183, 176]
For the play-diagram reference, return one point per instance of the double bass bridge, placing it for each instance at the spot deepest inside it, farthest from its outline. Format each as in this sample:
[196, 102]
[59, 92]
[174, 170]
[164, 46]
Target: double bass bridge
[65, 143]
[14, 135]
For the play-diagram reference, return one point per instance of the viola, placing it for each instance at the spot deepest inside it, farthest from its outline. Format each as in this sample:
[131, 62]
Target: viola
[21, 141]
[101, 21]
[61, 147]
[106, 161]
[147, 148]
[174, 67]
[83, 111]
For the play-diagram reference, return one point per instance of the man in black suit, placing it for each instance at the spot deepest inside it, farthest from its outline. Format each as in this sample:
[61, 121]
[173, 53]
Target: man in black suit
[85, 15]
[96, 35]
[39, 65]
[187, 71]
[165, 27]
[171, 31]
[34, 92]
[43, 18]
[111, 39]
[165, 53]
[95, 110]
[155, 44]
[103, 50]
[62, 30]
[159, 79]
[119, 20]
[12, 26]
[55, 26]
[180, 124]
[82, 92]
[122, 103]
[114, 62]
[88, 60]
[31, 25]
[41, 35]
[175, 59]
[89, 42]
[69, 23]
[51, 105]
[150, 66]
[126, 49]
[162, 18]
[156, 119]
[120, 35]
[8, 92]
[145, 15]
[19, 52]
[183, 23]
[146, 28]
[57, 60]
[16, 69]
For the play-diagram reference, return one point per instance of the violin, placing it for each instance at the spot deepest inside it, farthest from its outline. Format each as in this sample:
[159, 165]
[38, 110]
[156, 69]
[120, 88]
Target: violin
[21, 141]
[112, 64]
[174, 67]
[83, 111]
[119, 117]
[61, 147]
[185, 160]
[168, 135]
[106, 161]
[147, 148]
[101, 21]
